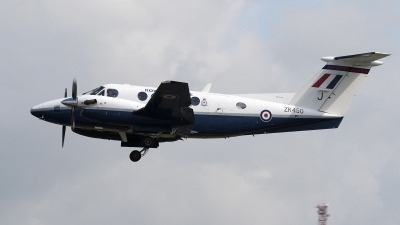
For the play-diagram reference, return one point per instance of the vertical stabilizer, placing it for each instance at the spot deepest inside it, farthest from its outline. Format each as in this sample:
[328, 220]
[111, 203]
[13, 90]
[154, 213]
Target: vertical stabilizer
[333, 89]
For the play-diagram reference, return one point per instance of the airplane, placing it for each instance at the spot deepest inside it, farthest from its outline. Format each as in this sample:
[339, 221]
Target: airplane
[144, 117]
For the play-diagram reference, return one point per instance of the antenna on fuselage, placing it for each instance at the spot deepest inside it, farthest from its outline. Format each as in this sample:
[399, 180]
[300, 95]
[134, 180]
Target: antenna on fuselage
[207, 88]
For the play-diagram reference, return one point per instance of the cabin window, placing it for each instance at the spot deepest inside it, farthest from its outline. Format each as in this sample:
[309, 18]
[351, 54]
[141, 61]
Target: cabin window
[112, 93]
[241, 105]
[142, 96]
[195, 101]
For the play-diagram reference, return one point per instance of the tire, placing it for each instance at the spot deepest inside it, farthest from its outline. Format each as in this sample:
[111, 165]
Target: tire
[147, 142]
[135, 156]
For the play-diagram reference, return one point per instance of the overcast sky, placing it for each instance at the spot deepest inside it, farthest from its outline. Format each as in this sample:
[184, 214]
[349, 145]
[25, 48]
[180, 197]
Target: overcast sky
[239, 46]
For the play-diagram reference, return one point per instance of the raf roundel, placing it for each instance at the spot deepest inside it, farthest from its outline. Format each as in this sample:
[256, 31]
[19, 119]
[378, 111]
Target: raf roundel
[204, 102]
[265, 115]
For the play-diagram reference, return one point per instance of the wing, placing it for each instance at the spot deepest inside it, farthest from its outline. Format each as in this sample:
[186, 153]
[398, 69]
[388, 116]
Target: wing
[170, 102]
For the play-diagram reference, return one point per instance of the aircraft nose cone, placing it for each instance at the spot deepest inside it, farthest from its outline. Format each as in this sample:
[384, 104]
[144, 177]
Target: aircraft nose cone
[36, 110]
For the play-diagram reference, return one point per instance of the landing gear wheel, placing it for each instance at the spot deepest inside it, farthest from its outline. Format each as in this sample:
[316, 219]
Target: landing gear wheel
[135, 156]
[147, 142]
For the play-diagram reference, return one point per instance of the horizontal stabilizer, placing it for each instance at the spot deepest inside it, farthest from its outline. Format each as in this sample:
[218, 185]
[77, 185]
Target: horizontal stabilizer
[364, 59]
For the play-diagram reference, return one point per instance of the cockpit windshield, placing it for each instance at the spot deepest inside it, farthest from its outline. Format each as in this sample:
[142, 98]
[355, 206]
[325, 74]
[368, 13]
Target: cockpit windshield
[94, 91]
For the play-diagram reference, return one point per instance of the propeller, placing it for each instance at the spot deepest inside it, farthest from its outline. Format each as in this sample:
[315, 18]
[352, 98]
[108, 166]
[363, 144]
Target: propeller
[74, 90]
[63, 127]
[63, 135]
[70, 102]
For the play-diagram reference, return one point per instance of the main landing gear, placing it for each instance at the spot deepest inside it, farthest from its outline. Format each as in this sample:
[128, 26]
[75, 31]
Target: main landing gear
[137, 155]
[146, 143]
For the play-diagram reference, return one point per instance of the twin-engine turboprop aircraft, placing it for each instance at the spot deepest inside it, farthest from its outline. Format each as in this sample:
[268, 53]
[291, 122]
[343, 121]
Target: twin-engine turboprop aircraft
[145, 116]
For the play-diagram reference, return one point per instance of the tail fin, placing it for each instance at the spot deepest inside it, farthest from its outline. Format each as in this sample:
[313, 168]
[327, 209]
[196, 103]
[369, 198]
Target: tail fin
[333, 89]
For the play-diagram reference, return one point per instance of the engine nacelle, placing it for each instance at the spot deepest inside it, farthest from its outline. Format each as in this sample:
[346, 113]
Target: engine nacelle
[107, 109]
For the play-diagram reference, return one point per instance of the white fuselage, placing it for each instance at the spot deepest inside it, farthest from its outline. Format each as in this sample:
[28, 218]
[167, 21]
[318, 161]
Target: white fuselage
[217, 115]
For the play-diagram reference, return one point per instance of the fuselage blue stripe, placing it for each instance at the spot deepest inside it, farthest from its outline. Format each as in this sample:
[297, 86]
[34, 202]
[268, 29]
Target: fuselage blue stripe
[206, 124]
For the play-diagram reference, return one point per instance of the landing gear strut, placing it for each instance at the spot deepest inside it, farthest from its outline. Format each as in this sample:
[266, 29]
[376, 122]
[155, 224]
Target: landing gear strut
[137, 155]
[147, 142]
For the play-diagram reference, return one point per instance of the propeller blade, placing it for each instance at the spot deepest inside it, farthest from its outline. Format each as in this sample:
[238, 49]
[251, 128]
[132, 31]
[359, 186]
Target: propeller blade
[74, 89]
[63, 135]
[65, 95]
[73, 117]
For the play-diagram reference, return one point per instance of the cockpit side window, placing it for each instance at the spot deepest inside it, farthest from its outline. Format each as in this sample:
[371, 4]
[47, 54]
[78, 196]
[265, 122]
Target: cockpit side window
[112, 93]
[96, 90]
[101, 93]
